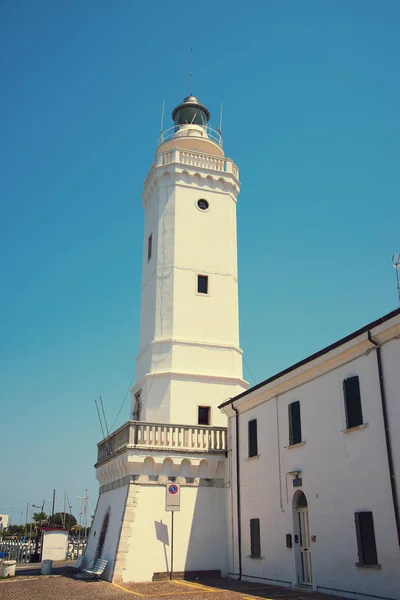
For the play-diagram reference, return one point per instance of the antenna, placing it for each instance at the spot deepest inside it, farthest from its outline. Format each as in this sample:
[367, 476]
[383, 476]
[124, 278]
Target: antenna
[190, 74]
[396, 264]
[108, 443]
[220, 120]
[104, 415]
[69, 504]
[101, 423]
[162, 117]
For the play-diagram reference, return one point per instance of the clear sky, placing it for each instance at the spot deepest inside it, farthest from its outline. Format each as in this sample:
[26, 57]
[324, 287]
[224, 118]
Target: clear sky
[311, 117]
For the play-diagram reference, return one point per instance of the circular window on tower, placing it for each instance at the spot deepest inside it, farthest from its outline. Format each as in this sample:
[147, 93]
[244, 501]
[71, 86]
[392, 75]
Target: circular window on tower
[203, 204]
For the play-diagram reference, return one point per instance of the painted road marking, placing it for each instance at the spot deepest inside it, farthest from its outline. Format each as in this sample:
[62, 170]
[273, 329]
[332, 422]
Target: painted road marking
[199, 586]
[126, 590]
[204, 590]
[253, 598]
[27, 578]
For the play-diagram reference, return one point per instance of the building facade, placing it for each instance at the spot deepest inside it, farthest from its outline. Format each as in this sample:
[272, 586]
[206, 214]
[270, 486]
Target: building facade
[3, 522]
[189, 362]
[302, 488]
[314, 466]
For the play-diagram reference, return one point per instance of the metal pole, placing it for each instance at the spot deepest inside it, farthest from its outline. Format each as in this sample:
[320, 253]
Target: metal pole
[80, 525]
[398, 283]
[86, 499]
[65, 518]
[54, 501]
[26, 518]
[172, 545]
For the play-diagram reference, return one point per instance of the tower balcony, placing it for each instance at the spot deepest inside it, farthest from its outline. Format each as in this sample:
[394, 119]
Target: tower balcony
[140, 435]
[193, 159]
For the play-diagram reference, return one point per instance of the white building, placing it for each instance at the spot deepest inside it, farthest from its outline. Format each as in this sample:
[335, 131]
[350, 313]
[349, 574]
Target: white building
[189, 362]
[3, 522]
[318, 476]
[313, 498]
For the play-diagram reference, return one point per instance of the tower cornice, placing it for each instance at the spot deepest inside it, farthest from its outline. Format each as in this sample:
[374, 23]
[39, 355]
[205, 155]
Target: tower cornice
[190, 167]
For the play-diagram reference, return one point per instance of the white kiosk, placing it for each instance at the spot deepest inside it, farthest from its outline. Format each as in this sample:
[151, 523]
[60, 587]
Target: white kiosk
[54, 543]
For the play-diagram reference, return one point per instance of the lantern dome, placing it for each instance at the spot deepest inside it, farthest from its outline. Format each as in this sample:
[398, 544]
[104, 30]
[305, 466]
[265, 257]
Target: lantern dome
[190, 111]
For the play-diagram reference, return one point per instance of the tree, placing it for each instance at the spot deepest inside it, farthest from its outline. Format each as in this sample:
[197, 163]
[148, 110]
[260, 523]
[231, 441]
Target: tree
[59, 521]
[15, 530]
[39, 517]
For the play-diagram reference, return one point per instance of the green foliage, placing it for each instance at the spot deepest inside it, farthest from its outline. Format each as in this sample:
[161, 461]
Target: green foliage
[15, 530]
[58, 520]
[40, 517]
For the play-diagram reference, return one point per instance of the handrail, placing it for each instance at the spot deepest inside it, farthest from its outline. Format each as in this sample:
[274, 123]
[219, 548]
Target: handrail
[178, 131]
[163, 436]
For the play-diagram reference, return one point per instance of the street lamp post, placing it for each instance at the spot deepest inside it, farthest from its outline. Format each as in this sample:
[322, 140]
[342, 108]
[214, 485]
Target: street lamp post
[36, 556]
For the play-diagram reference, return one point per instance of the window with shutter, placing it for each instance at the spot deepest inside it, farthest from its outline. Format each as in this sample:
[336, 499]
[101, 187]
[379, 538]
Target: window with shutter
[255, 543]
[367, 555]
[352, 402]
[202, 284]
[294, 423]
[253, 445]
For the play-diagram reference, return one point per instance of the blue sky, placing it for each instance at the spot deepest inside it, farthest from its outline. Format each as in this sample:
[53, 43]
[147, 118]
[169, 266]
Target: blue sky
[311, 117]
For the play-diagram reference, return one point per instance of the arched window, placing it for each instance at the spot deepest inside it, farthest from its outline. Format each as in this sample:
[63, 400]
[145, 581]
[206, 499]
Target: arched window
[300, 500]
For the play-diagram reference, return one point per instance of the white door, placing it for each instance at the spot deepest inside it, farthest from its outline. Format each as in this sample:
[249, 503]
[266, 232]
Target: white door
[304, 542]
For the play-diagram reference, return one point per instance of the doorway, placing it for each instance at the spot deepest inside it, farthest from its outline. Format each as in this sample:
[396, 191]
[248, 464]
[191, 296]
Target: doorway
[302, 538]
[102, 536]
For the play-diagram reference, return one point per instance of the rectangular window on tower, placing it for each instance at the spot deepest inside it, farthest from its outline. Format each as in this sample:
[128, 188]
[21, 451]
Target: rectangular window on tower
[202, 284]
[255, 541]
[294, 423]
[352, 402]
[137, 409]
[253, 442]
[203, 417]
[366, 545]
[149, 247]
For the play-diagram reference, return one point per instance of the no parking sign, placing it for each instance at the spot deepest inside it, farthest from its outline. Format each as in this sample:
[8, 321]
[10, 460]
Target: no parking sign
[173, 497]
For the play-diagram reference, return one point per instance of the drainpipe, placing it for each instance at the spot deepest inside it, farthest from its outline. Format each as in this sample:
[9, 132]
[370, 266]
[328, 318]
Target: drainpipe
[387, 437]
[238, 494]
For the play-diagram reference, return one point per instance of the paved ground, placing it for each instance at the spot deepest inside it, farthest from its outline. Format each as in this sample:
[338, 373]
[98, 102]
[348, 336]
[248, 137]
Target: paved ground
[29, 584]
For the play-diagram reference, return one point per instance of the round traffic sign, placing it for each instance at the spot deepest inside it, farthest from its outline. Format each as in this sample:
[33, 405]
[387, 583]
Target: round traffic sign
[173, 489]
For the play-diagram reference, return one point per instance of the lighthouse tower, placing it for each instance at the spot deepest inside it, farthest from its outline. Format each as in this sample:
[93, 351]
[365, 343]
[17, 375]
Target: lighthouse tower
[189, 362]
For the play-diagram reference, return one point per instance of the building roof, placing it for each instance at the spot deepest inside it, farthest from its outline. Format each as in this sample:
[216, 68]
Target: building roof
[340, 342]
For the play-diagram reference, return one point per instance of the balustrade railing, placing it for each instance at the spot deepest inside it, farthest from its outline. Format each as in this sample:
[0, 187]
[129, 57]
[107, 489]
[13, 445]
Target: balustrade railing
[194, 159]
[163, 436]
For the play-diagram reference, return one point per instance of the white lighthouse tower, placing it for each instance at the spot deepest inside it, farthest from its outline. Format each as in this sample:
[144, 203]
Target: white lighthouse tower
[189, 357]
[189, 362]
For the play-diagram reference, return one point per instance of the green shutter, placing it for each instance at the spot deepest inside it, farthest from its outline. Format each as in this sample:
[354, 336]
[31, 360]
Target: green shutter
[253, 444]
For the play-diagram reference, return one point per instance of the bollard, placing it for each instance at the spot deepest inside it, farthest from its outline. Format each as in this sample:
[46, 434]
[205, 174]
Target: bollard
[46, 567]
[7, 568]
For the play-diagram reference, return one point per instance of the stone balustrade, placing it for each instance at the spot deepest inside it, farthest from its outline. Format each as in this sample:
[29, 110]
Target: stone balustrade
[163, 436]
[194, 159]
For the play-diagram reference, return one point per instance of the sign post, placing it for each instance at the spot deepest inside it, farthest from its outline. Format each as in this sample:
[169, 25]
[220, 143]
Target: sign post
[172, 503]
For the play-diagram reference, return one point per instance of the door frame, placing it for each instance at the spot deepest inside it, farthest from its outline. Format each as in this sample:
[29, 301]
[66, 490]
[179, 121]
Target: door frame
[301, 531]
